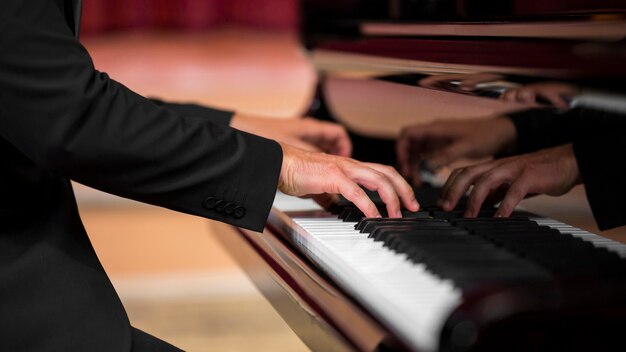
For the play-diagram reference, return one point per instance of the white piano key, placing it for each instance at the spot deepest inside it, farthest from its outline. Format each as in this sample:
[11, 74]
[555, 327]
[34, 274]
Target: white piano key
[378, 276]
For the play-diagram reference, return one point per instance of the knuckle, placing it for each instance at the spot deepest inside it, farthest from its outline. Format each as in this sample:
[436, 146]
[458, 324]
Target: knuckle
[455, 172]
[355, 192]
[390, 170]
[465, 173]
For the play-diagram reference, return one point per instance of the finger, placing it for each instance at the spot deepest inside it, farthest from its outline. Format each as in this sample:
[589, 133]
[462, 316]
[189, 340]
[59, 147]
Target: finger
[325, 200]
[461, 184]
[471, 83]
[446, 186]
[414, 141]
[489, 181]
[377, 182]
[355, 194]
[408, 147]
[340, 139]
[509, 95]
[445, 156]
[527, 96]
[402, 188]
[513, 197]
[402, 153]
[557, 100]
[416, 174]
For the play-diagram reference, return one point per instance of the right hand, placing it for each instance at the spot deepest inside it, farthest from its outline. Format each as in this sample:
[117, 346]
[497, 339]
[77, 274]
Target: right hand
[310, 173]
[440, 143]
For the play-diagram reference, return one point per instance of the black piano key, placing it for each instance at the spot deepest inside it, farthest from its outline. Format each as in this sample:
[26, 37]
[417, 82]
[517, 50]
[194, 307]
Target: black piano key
[472, 252]
[367, 224]
[379, 233]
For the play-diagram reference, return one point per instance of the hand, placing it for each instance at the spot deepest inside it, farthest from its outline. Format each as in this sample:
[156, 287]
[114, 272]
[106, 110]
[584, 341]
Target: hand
[442, 142]
[305, 133]
[551, 171]
[310, 173]
[554, 92]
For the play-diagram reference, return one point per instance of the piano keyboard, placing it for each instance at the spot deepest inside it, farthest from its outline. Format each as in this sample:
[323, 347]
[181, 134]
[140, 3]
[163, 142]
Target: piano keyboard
[414, 272]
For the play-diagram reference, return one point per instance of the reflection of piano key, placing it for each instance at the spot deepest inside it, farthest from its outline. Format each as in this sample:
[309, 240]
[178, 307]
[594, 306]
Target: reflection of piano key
[413, 273]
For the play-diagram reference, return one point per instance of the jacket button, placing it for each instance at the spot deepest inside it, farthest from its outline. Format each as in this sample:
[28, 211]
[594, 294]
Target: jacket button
[240, 212]
[220, 205]
[229, 209]
[209, 203]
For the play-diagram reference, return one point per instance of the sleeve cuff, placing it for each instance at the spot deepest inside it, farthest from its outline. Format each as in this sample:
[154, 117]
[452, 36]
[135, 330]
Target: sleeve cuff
[246, 198]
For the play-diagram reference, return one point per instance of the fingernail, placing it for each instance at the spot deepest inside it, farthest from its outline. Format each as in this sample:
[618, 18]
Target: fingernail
[497, 215]
[415, 204]
[445, 204]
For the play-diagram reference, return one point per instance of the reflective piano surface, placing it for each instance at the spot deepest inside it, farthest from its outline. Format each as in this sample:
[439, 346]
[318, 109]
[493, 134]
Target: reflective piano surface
[384, 65]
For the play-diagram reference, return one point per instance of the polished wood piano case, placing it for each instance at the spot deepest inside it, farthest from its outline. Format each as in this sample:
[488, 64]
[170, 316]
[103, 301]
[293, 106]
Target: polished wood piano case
[373, 57]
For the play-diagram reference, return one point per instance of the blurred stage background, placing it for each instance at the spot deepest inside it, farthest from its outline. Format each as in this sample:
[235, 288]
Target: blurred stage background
[174, 278]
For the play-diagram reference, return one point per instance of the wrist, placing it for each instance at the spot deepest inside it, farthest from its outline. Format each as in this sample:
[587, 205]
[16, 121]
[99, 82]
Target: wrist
[567, 157]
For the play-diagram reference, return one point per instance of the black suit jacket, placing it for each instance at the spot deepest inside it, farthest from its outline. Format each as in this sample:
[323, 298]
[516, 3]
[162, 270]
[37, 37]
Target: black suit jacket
[62, 120]
[600, 149]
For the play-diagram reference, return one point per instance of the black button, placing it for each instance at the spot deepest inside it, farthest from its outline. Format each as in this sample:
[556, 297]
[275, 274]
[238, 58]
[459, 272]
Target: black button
[209, 203]
[220, 205]
[230, 209]
[240, 212]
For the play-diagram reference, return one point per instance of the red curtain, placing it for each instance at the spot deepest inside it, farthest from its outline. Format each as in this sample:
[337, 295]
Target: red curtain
[106, 15]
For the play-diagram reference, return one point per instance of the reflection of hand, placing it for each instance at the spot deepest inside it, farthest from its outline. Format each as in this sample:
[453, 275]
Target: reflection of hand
[467, 82]
[442, 142]
[554, 92]
[310, 173]
[304, 133]
[551, 171]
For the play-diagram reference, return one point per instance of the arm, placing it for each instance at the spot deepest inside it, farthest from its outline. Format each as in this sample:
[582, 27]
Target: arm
[72, 120]
[217, 116]
[600, 149]
[304, 133]
[538, 129]
[75, 121]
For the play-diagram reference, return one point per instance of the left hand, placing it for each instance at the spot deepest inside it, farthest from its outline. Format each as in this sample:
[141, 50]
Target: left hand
[551, 171]
[305, 133]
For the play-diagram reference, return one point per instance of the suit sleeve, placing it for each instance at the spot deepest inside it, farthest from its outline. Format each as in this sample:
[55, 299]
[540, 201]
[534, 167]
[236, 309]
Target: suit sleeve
[539, 129]
[197, 111]
[71, 119]
[600, 149]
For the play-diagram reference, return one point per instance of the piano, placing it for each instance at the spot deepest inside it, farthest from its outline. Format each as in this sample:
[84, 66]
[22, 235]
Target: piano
[433, 280]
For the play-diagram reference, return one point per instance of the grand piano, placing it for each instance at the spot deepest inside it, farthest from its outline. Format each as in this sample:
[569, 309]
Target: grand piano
[435, 281]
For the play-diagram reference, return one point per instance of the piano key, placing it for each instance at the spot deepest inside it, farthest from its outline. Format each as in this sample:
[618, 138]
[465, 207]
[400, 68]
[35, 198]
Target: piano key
[412, 273]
